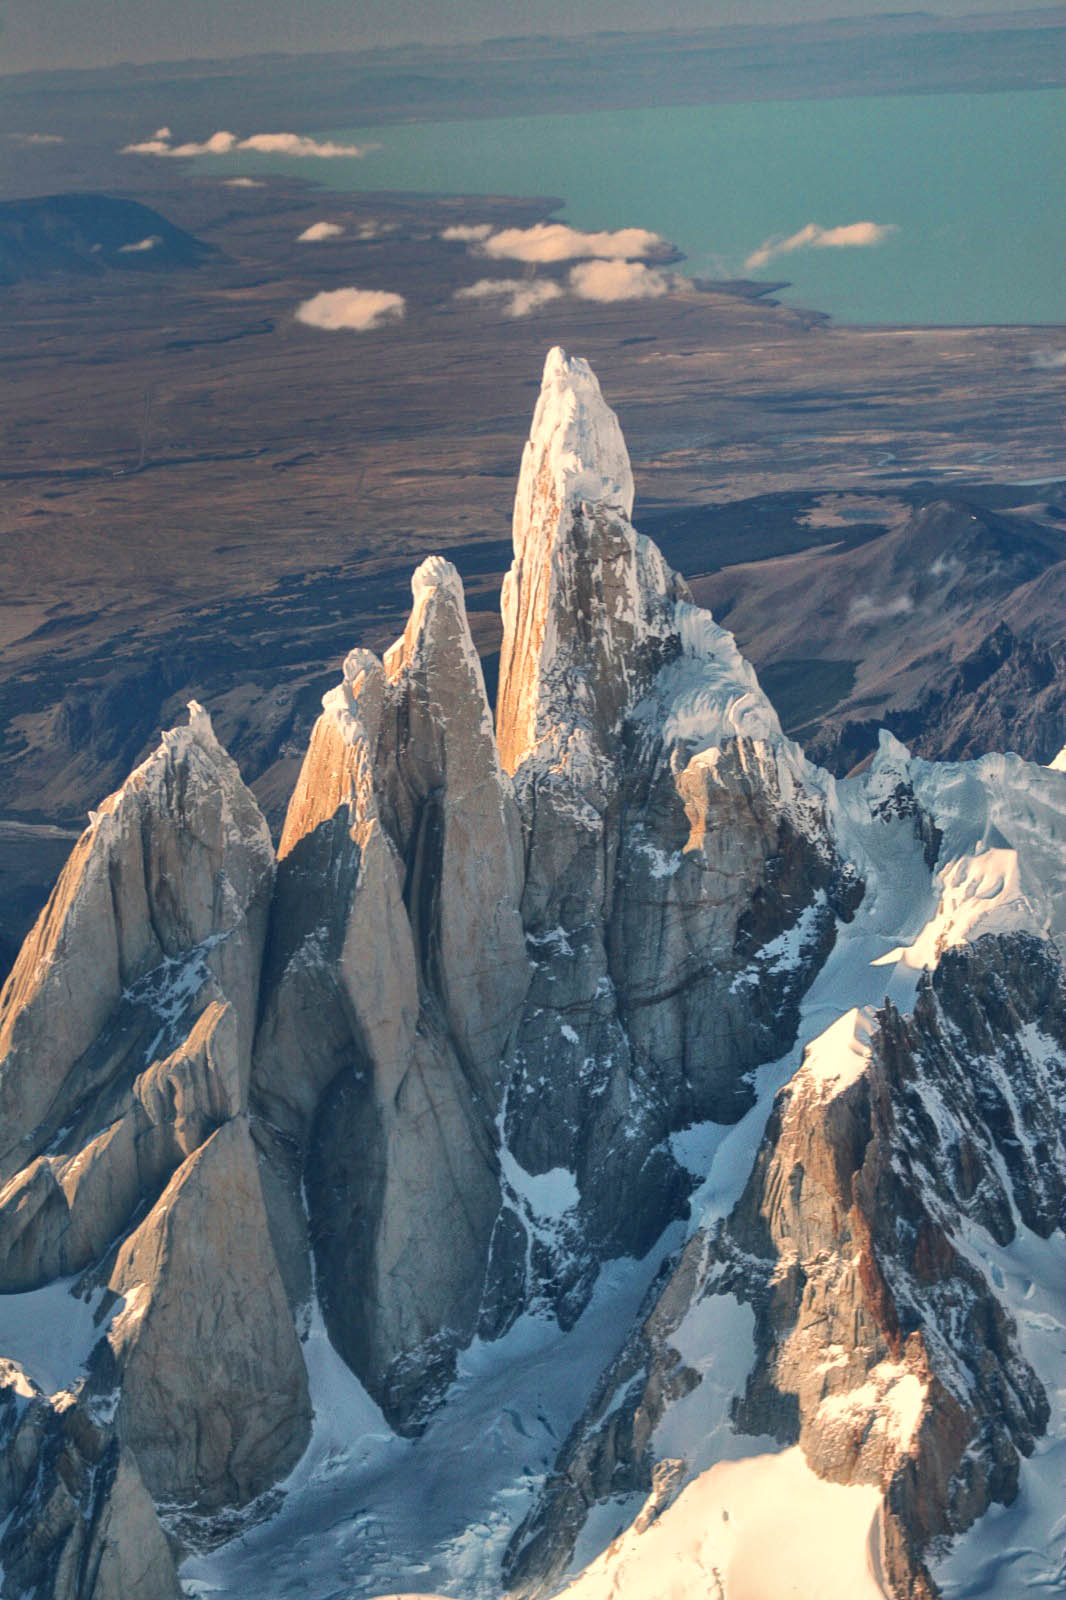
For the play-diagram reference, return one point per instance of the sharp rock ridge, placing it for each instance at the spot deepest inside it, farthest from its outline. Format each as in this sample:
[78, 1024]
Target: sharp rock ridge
[125, 1055]
[594, 618]
[588, 602]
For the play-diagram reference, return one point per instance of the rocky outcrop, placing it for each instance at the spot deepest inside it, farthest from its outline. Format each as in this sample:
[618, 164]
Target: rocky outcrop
[78, 1519]
[221, 1440]
[126, 1028]
[879, 1343]
[390, 998]
[485, 1002]
[891, 1135]
[587, 605]
[492, 992]
[61, 1212]
[194, 1398]
[681, 879]
[165, 895]
[450, 812]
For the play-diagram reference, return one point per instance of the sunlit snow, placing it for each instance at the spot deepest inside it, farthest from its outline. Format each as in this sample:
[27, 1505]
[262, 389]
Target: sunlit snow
[764, 1528]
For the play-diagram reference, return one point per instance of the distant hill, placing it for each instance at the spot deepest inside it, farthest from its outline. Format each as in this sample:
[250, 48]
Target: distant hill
[90, 234]
[947, 629]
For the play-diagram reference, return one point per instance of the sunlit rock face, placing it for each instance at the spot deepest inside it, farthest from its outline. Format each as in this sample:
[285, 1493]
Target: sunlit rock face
[681, 881]
[623, 978]
[506, 966]
[127, 1027]
[397, 970]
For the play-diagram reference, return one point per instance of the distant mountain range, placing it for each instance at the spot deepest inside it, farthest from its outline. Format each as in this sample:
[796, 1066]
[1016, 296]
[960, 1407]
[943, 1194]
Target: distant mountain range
[946, 629]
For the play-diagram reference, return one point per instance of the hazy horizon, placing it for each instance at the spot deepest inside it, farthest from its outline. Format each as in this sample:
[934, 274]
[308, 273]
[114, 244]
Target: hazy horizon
[58, 34]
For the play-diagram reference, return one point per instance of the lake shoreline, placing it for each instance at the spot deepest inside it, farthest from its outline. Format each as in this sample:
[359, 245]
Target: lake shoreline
[962, 227]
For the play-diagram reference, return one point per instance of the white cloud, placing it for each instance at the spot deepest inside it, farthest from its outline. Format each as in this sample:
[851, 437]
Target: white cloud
[150, 243]
[467, 232]
[850, 236]
[36, 138]
[356, 309]
[223, 143]
[318, 231]
[603, 281]
[243, 183]
[554, 241]
[619, 280]
[159, 144]
[865, 608]
[523, 294]
[296, 144]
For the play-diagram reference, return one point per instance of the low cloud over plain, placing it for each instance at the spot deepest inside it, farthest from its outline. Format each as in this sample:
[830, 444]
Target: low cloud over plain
[546, 242]
[606, 281]
[224, 143]
[351, 309]
[602, 281]
[318, 231]
[812, 236]
[609, 264]
[520, 295]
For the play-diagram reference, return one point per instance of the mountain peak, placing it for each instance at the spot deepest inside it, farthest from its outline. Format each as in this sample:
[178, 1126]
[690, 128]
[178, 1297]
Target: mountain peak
[575, 451]
[438, 613]
[587, 601]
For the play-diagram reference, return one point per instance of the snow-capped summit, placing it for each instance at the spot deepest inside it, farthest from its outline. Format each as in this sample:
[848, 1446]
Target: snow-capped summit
[588, 604]
[575, 451]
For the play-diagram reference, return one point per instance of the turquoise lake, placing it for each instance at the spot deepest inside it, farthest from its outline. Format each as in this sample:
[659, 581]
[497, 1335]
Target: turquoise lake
[972, 185]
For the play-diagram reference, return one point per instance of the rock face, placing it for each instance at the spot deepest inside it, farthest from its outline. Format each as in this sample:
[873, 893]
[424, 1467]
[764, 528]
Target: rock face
[681, 883]
[220, 1440]
[880, 1341]
[80, 1519]
[127, 1027]
[542, 974]
[167, 892]
[391, 995]
[860, 1193]
[126, 1022]
[625, 973]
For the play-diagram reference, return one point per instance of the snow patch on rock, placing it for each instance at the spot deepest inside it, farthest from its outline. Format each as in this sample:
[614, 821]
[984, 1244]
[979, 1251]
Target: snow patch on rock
[891, 1400]
[839, 1056]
